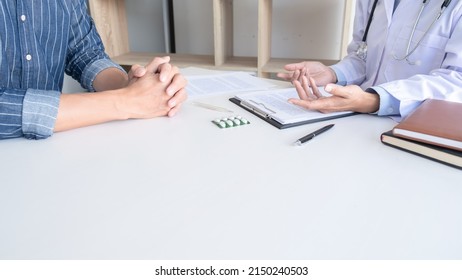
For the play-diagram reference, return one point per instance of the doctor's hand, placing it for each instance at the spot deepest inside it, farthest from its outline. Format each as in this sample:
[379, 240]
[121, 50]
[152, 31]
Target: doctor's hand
[343, 98]
[322, 74]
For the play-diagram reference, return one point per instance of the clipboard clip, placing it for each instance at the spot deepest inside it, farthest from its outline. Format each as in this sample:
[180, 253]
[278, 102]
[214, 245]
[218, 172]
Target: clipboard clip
[263, 113]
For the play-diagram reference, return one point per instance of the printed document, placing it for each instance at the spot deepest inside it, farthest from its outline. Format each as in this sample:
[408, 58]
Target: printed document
[208, 85]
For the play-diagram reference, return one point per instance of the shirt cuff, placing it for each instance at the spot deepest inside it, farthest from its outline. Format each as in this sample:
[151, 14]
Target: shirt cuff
[341, 79]
[92, 70]
[40, 109]
[389, 105]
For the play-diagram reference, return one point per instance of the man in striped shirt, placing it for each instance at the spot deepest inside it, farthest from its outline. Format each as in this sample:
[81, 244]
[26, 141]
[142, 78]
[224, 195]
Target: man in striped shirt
[40, 41]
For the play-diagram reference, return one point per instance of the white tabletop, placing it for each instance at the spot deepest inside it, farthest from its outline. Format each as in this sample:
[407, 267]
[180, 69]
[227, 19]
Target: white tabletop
[182, 188]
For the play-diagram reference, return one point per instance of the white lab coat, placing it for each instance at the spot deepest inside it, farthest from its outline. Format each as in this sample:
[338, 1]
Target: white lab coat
[437, 72]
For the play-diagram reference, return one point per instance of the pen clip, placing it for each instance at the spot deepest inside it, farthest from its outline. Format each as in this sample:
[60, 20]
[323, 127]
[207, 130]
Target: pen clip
[313, 134]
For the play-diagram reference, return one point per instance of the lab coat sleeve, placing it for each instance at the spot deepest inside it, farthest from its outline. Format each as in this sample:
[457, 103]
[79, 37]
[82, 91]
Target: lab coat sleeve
[352, 68]
[389, 105]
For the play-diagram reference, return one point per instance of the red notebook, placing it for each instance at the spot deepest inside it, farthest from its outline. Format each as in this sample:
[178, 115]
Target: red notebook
[435, 122]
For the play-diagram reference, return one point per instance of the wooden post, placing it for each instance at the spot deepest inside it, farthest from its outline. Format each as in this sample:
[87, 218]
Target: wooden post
[347, 23]
[111, 22]
[223, 30]
[265, 11]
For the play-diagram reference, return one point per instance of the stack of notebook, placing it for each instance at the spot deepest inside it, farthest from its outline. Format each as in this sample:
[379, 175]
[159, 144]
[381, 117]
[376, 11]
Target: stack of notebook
[433, 131]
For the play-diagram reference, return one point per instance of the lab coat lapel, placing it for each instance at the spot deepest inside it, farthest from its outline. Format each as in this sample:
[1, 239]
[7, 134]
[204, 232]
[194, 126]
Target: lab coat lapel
[389, 5]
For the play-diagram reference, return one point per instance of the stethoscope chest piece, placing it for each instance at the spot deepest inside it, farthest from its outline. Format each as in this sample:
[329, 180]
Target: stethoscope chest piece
[361, 52]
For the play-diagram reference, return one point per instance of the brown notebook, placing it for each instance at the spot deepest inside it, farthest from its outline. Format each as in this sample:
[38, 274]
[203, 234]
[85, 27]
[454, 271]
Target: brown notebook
[435, 122]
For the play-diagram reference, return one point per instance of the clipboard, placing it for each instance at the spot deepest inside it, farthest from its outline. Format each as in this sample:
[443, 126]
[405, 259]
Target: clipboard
[272, 107]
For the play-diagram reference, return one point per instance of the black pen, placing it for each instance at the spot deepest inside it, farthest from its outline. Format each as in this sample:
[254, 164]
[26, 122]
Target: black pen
[313, 134]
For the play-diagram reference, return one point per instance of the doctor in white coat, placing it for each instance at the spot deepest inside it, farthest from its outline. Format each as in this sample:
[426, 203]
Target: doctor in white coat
[403, 52]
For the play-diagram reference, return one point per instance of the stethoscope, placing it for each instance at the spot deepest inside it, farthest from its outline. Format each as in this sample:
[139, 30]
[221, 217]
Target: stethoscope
[361, 52]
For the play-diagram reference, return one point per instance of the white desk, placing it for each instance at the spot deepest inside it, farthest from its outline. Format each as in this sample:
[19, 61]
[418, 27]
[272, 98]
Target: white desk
[182, 188]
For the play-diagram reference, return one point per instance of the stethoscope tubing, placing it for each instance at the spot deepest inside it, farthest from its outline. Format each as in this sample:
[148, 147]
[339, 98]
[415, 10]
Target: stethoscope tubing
[409, 51]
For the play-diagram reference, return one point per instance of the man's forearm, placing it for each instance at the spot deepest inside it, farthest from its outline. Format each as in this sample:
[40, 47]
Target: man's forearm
[84, 109]
[145, 98]
[110, 79]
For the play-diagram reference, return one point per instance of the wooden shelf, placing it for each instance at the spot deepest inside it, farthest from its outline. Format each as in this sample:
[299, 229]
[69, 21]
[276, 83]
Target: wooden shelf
[239, 63]
[185, 60]
[111, 22]
[181, 60]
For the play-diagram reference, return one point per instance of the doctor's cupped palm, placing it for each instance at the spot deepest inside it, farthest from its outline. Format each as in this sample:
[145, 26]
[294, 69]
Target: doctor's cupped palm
[343, 98]
[322, 74]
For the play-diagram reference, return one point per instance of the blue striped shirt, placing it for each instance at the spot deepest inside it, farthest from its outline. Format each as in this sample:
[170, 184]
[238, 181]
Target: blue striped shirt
[40, 40]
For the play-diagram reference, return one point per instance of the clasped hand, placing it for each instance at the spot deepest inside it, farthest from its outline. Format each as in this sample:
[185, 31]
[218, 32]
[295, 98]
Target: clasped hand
[158, 89]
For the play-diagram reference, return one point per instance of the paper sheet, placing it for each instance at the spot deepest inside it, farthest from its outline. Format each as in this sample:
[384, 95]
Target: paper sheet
[208, 85]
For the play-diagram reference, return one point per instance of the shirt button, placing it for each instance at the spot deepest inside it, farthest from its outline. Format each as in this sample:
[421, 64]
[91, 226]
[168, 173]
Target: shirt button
[23, 18]
[390, 110]
[28, 57]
